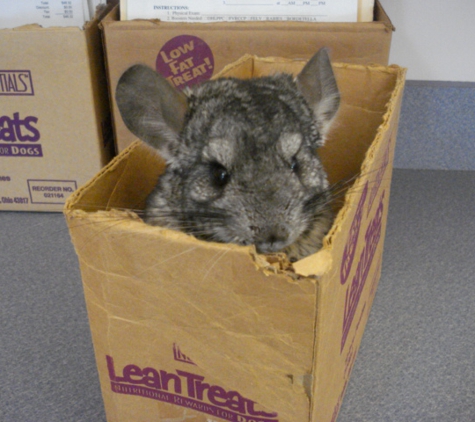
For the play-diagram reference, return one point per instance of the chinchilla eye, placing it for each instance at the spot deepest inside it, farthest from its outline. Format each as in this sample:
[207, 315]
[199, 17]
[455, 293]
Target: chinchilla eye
[219, 175]
[294, 165]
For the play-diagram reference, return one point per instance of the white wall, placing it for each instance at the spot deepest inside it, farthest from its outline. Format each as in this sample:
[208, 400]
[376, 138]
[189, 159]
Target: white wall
[434, 39]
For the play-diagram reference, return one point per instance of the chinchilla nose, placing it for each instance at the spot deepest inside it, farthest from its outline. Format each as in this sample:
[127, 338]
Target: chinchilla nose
[271, 239]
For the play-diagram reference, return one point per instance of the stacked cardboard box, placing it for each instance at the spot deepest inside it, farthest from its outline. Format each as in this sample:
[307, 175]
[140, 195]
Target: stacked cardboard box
[54, 114]
[189, 53]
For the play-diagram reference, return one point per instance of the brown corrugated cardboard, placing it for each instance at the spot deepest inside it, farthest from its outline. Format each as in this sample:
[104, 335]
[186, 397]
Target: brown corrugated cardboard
[189, 53]
[191, 330]
[54, 118]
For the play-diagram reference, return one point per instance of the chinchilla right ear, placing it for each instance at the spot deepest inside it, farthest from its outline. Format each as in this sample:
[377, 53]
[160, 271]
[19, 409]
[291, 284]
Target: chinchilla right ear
[318, 85]
[151, 108]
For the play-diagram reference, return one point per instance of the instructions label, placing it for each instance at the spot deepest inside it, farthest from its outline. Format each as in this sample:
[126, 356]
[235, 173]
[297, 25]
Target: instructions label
[50, 191]
[43, 12]
[185, 60]
[243, 10]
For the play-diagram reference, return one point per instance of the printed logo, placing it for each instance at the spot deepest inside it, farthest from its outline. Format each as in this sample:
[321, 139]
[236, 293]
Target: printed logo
[350, 247]
[355, 289]
[185, 61]
[13, 129]
[21, 150]
[16, 129]
[181, 357]
[16, 82]
[187, 390]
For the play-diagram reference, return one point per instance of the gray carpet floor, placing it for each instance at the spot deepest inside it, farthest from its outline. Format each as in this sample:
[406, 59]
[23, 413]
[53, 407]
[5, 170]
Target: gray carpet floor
[416, 362]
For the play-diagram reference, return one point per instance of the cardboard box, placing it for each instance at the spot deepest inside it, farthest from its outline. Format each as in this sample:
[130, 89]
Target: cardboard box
[186, 329]
[190, 53]
[54, 114]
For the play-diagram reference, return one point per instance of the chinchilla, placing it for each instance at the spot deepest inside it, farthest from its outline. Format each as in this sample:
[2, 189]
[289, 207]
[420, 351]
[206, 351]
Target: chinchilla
[242, 162]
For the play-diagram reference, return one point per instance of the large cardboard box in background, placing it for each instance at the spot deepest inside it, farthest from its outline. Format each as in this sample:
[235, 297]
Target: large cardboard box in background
[189, 53]
[54, 114]
[186, 329]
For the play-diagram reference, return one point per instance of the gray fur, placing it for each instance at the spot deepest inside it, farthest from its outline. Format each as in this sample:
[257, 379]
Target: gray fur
[242, 160]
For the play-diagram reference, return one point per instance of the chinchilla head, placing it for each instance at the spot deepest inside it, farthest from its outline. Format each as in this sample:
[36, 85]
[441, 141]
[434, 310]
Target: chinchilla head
[241, 154]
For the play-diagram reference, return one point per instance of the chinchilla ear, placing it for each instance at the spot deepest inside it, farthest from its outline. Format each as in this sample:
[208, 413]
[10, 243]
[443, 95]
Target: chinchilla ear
[151, 108]
[318, 85]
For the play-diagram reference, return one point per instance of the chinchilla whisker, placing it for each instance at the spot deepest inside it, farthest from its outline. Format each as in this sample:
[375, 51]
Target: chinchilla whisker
[190, 213]
[344, 185]
[93, 207]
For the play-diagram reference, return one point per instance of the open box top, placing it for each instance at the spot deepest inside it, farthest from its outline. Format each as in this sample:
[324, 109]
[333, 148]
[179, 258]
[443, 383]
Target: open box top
[368, 97]
[282, 335]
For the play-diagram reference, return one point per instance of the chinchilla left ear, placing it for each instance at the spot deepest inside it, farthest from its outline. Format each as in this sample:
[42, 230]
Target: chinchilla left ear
[151, 108]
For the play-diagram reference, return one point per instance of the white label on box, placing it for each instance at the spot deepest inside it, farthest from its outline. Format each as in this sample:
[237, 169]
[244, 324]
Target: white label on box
[50, 191]
[241, 10]
[43, 12]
